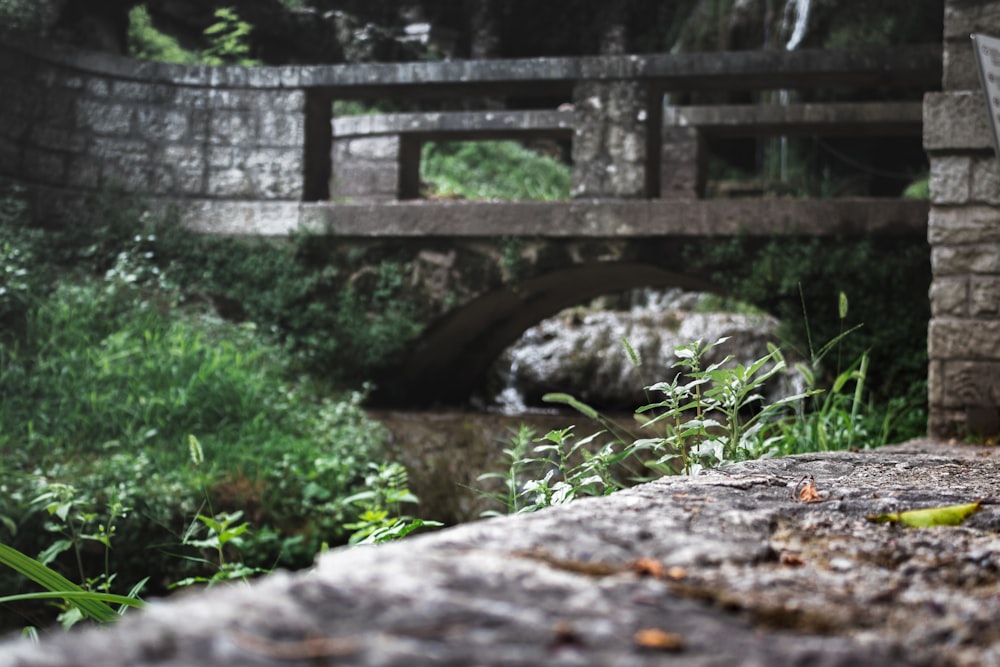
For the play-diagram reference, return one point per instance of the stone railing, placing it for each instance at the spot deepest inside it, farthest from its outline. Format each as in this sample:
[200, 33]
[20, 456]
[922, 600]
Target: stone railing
[81, 121]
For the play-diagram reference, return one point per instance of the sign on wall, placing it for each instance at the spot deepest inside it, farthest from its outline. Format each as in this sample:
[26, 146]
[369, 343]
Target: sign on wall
[988, 60]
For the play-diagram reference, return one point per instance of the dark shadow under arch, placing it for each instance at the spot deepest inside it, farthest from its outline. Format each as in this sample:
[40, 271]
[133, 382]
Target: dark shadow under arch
[452, 357]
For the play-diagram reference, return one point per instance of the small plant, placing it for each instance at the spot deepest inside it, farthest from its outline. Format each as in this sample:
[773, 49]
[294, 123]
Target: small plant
[227, 39]
[381, 518]
[492, 170]
[560, 468]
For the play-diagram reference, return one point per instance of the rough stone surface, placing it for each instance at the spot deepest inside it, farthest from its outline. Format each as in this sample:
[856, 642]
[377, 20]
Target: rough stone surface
[964, 232]
[724, 568]
[581, 353]
[956, 120]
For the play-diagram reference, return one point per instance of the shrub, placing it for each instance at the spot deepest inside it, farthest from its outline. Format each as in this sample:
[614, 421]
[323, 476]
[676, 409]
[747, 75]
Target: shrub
[492, 170]
[114, 367]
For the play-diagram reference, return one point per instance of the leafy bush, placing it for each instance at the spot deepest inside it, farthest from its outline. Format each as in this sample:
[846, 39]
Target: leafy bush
[225, 40]
[115, 360]
[492, 170]
[886, 281]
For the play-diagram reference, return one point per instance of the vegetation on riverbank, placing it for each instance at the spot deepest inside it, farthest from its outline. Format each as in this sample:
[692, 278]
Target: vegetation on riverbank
[115, 357]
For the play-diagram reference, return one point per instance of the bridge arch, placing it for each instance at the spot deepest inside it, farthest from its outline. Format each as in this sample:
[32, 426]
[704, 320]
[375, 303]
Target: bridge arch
[450, 360]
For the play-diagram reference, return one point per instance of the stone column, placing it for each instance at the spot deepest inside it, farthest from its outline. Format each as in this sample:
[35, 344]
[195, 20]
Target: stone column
[609, 145]
[964, 233]
[682, 173]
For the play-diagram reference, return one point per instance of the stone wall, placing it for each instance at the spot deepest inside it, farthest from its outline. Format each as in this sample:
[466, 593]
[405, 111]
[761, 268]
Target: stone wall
[964, 232]
[90, 122]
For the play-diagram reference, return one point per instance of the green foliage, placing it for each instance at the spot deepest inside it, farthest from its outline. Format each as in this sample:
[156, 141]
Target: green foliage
[708, 416]
[886, 281]
[226, 40]
[919, 189]
[148, 43]
[115, 367]
[558, 469]
[492, 170]
[381, 517]
[717, 414]
[78, 603]
[27, 15]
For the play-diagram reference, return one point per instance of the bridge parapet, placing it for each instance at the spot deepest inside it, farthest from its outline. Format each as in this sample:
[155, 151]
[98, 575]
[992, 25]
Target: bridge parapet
[81, 122]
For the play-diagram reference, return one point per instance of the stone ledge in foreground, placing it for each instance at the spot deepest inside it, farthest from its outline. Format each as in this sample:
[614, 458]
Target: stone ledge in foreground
[749, 577]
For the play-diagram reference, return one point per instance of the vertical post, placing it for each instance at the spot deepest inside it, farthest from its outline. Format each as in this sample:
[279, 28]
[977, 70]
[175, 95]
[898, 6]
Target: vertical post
[682, 161]
[409, 167]
[318, 144]
[610, 142]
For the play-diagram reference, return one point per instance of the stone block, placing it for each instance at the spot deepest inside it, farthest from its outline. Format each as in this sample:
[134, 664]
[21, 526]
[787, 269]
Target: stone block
[181, 170]
[949, 179]
[56, 138]
[965, 259]
[57, 109]
[229, 183]
[956, 121]
[959, 66]
[112, 148]
[134, 91]
[199, 125]
[234, 100]
[292, 101]
[384, 149]
[364, 179]
[959, 338]
[962, 18]
[193, 98]
[281, 128]
[128, 173]
[949, 296]
[968, 224]
[97, 87]
[275, 173]
[984, 296]
[223, 157]
[84, 171]
[104, 118]
[935, 383]
[233, 128]
[161, 125]
[944, 423]
[985, 181]
[43, 165]
[971, 384]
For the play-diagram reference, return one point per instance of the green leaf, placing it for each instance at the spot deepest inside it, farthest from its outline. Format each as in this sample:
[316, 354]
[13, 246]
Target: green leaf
[950, 515]
[566, 399]
[52, 581]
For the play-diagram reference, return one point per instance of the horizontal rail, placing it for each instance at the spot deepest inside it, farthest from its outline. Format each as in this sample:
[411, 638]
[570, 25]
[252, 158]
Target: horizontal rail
[896, 67]
[565, 219]
[452, 124]
[843, 118]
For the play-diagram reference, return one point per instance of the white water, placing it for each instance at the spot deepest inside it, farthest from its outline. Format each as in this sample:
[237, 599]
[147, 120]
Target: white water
[800, 10]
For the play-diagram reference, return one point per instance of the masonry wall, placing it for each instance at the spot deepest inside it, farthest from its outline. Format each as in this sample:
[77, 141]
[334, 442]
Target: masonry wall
[964, 233]
[93, 122]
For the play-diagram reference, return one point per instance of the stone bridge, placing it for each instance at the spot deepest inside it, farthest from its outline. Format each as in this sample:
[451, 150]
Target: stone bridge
[257, 151]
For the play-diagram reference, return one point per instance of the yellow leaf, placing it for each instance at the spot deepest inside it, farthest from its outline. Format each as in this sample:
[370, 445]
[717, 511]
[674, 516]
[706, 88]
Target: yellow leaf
[951, 515]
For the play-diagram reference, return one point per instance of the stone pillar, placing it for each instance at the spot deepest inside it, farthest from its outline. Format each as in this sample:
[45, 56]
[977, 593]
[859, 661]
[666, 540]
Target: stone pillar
[964, 233]
[682, 173]
[609, 145]
[371, 162]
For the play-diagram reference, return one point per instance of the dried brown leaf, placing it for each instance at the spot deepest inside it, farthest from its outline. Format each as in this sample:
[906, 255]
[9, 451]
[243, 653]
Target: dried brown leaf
[658, 640]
